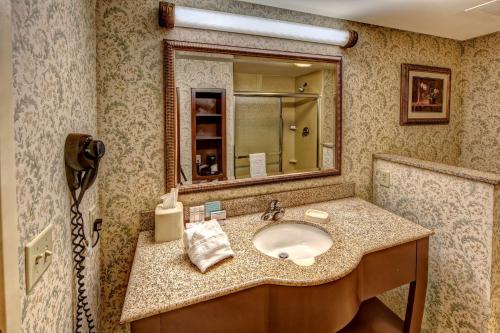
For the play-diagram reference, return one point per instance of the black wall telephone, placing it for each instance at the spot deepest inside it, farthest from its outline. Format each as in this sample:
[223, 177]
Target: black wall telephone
[82, 155]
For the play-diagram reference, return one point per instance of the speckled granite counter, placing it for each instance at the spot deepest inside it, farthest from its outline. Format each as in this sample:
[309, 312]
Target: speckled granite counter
[163, 279]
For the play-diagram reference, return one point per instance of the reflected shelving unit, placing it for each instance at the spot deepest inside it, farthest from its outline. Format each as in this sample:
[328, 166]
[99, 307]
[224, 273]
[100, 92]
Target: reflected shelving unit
[208, 134]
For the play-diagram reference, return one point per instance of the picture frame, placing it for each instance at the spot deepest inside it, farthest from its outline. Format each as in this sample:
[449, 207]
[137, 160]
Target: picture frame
[425, 95]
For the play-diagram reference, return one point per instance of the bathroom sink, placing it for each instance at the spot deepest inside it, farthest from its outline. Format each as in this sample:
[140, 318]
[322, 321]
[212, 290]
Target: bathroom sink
[293, 240]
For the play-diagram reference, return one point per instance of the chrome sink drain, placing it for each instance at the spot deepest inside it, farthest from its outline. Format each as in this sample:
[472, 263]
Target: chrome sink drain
[283, 255]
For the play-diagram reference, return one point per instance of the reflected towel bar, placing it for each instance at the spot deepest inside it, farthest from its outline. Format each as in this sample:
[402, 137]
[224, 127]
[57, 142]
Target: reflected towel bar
[247, 156]
[275, 94]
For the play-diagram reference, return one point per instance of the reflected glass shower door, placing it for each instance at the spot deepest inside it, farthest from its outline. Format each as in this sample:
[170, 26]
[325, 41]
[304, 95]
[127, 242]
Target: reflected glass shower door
[257, 129]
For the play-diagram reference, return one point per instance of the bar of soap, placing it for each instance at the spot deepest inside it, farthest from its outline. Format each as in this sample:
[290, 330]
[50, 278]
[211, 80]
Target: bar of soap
[316, 216]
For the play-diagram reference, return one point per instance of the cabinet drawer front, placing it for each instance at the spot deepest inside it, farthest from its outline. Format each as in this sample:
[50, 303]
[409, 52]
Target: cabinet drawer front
[388, 269]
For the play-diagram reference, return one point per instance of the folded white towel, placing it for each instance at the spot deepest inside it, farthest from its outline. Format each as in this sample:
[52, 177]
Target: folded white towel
[206, 244]
[257, 165]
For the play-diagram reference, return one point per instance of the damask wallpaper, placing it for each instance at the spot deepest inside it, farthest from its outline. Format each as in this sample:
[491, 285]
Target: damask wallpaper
[462, 292]
[131, 116]
[328, 99]
[54, 55]
[481, 103]
[495, 274]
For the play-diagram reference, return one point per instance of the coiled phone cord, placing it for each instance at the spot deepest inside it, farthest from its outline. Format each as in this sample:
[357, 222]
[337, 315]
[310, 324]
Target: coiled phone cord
[79, 247]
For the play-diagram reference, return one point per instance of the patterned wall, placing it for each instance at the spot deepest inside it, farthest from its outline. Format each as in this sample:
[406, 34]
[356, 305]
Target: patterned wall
[495, 274]
[461, 271]
[481, 103]
[328, 106]
[55, 93]
[480, 135]
[131, 119]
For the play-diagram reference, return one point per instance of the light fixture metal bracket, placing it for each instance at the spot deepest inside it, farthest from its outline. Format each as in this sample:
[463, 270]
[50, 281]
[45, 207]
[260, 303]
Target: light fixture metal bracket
[166, 15]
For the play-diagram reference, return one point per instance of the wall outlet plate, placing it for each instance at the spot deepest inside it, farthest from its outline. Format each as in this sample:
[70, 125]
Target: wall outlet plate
[38, 256]
[384, 178]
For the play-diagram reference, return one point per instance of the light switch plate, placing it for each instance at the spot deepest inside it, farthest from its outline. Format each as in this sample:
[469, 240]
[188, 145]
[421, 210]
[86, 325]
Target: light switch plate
[384, 178]
[38, 256]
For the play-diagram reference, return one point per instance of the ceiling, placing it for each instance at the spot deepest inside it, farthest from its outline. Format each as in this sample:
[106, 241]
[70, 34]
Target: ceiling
[444, 18]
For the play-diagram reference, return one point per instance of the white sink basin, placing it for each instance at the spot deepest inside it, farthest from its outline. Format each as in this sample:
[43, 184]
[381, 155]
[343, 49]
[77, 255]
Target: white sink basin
[293, 240]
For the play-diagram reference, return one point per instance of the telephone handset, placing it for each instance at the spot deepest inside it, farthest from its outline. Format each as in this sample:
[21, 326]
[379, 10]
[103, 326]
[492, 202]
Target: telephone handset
[82, 155]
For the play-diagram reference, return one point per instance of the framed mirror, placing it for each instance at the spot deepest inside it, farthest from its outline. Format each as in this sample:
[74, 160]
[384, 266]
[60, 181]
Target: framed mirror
[239, 116]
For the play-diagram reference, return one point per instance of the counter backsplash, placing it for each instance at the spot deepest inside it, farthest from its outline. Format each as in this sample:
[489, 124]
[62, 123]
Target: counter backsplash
[259, 203]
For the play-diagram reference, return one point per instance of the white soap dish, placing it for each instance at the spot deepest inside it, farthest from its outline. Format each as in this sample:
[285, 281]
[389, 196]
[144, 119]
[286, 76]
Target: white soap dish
[316, 216]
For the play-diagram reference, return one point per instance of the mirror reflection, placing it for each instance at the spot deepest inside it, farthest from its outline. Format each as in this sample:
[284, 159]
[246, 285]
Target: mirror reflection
[247, 117]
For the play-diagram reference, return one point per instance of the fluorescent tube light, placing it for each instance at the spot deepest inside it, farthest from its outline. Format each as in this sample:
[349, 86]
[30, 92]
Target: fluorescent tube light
[481, 5]
[298, 64]
[179, 16]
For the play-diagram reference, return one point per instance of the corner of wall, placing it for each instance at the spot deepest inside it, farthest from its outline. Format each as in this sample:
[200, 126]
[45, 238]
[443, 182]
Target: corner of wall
[480, 126]
[10, 306]
[494, 324]
[54, 52]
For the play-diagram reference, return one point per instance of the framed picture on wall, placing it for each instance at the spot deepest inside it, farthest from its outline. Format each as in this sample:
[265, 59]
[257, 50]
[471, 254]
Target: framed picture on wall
[425, 95]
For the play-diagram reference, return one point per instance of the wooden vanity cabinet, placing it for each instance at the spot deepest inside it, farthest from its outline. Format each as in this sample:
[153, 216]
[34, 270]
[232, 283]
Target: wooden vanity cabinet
[347, 305]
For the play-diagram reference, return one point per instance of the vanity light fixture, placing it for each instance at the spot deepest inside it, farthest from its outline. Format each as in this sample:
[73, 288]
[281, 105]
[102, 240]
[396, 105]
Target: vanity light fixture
[480, 5]
[298, 64]
[171, 16]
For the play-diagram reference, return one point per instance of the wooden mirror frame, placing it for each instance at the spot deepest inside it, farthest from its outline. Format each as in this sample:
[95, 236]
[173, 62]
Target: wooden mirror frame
[172, 153]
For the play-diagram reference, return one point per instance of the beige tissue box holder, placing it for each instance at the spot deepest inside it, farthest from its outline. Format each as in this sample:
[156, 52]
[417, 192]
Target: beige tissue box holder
[169, 223]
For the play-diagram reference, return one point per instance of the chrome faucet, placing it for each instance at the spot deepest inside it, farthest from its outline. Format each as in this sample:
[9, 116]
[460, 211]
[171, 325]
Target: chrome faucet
[274, 212]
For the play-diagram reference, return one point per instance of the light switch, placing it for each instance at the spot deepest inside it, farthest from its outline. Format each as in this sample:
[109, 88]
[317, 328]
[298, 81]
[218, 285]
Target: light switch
[38, 256]
[384, 178]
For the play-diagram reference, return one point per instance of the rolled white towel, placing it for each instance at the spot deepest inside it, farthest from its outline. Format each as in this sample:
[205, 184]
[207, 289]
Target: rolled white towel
[206, 244]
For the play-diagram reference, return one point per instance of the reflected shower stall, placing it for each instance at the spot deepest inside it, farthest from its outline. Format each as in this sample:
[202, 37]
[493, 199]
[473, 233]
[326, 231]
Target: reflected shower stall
[283, 126]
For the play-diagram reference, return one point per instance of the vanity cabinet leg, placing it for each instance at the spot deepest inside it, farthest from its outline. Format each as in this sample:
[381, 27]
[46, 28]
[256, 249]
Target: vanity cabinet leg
[418, 289]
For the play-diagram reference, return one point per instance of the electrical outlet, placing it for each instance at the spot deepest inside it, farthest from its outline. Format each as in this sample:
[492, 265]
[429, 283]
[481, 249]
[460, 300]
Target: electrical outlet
[89, 226]
[38, 256]
[384, 178]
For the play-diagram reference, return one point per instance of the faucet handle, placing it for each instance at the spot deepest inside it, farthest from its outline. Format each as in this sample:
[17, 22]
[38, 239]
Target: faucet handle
[278, 215]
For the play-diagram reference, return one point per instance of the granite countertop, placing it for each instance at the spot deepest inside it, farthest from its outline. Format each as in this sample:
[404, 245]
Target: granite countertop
[163, 279]
[477, 175]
